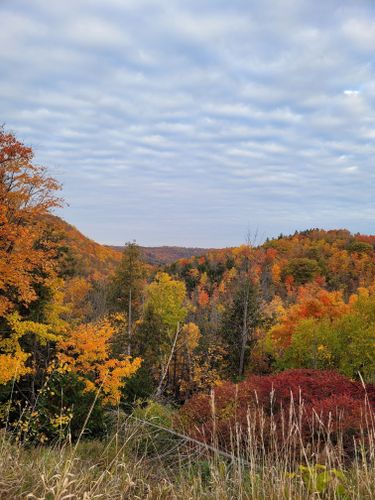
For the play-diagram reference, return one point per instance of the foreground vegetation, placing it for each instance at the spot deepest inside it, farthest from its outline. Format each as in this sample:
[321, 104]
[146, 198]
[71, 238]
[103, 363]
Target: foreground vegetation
[145, 458]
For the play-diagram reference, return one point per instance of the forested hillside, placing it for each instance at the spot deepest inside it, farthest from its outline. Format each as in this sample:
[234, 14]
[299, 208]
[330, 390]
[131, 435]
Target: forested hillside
[166, 254]
[196, 344]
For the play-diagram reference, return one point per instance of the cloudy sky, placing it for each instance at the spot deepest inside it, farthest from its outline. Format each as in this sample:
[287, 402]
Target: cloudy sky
[192, 122]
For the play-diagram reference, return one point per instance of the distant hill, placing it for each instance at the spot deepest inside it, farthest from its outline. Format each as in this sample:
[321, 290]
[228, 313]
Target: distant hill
[96, 261]
[167, 254]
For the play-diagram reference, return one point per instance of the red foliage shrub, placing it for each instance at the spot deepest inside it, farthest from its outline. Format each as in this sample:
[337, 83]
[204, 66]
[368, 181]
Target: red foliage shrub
[315, 401]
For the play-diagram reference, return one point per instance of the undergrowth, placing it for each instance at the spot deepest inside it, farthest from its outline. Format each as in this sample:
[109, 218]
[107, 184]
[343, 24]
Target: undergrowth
[145, 458]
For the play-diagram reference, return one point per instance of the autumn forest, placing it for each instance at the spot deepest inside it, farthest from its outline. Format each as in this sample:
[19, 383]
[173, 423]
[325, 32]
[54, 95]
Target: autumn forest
[237, 352]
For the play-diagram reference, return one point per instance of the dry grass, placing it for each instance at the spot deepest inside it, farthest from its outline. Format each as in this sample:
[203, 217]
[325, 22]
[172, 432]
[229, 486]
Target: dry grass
[145, 460]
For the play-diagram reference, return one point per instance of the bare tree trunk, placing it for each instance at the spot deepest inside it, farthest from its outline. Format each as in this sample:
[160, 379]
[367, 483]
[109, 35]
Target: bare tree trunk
[175, 373]
[189, 373]
[250, 243]
[130, 322]
[159, 390]
[244, 333]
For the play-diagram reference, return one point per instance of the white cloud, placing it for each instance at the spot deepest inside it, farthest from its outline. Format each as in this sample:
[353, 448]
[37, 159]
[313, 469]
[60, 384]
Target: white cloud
[351, 92]
[350, 170]
[163, 111]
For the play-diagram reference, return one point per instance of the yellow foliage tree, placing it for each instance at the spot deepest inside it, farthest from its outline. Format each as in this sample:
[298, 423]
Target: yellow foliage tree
[13, 361]
[86, 351]
[167, 298]
[13, 366]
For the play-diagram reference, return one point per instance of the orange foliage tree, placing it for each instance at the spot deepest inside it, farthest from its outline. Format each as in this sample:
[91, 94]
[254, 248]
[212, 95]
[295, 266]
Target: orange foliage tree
[27, 194]
[312, 302]
[86, 351]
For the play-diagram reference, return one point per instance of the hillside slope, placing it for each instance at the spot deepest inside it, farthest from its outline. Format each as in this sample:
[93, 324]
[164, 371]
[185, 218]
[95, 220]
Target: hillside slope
[88, 257]
[95, 260]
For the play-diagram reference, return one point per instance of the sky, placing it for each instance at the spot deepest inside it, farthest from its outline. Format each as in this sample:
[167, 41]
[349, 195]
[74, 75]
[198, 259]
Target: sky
[195, 122]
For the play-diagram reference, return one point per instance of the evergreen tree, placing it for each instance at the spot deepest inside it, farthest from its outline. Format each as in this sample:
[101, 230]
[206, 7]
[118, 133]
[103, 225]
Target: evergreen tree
[126, 290]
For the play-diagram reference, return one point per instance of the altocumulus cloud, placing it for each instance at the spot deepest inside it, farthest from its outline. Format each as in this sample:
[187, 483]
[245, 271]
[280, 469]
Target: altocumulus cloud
[189, 122]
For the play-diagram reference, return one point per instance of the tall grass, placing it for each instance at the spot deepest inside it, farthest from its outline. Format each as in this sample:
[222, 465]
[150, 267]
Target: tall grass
[145, 458]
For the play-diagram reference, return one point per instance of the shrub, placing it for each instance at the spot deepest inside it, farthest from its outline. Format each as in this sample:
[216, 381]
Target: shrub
[154, 421]
[309, 402]
[63, 408]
